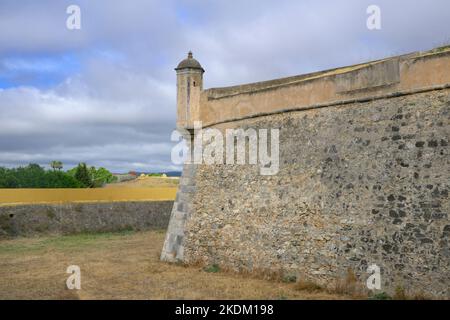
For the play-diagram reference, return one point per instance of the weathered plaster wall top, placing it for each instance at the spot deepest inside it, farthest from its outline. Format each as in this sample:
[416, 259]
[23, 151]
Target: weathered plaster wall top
[420, 71]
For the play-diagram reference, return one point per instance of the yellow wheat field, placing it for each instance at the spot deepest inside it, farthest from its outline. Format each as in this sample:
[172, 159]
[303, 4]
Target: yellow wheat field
[30, 196]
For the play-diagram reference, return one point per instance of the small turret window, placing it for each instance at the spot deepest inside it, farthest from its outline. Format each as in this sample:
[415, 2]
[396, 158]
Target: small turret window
[194, 83]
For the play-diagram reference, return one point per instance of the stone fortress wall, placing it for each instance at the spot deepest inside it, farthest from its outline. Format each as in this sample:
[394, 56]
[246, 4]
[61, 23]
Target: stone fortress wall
[26, 220]
[364, 177]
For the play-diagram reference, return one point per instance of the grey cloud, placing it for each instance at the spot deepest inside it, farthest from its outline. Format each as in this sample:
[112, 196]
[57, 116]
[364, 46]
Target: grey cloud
[118, 109]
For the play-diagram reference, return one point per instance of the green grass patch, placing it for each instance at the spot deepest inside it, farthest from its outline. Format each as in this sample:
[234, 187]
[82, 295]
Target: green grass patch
[212, 268]
[17, 248]
[69, 242]
[83, 239]
[381, 296]
[289, 278]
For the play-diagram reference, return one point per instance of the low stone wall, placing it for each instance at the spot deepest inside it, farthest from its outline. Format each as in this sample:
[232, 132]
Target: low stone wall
[70, 218]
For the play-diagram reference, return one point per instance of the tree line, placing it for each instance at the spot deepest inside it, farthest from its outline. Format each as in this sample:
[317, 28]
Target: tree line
[35, 176]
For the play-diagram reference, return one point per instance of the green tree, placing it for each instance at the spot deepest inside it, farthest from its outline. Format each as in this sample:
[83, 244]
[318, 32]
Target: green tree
[71, 172]
[31, 176]
[101, 176]
[56, 165]
[83, 176]
[7, 179]
[58, 179]
[34, 176]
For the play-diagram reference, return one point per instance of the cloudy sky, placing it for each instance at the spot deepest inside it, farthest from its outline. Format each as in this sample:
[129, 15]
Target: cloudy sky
[105, 94]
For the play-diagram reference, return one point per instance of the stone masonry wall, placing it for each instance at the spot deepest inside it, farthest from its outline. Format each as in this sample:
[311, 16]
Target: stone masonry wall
[359, 184]
[29, 220]
[173, 249]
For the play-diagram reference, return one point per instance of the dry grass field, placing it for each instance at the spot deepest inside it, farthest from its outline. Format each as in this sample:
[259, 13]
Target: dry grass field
[123, 266]
[118, 193]
[147, 182]
[140, 189]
